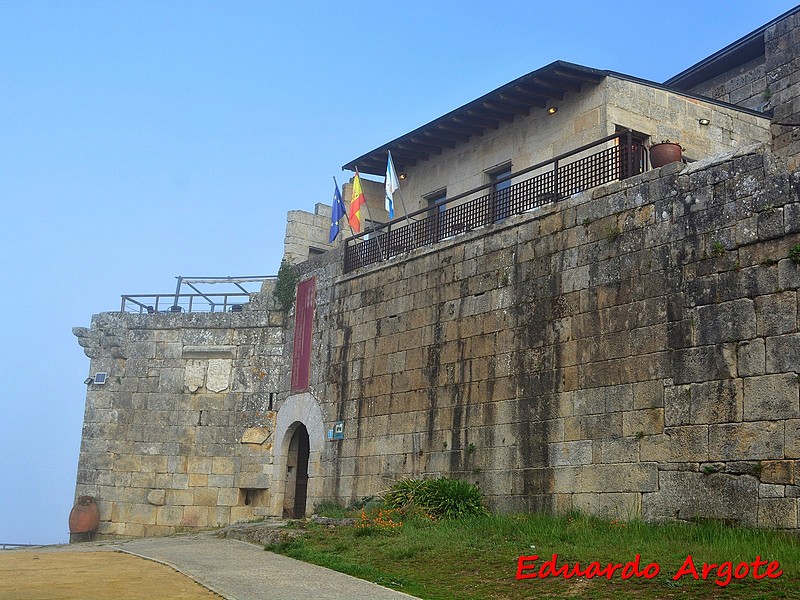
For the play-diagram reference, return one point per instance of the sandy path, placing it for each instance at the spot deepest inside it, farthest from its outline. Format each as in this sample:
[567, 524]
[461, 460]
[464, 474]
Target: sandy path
[91, 575]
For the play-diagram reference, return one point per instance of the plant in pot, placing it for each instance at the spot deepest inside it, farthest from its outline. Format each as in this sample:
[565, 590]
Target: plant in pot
[665, 152]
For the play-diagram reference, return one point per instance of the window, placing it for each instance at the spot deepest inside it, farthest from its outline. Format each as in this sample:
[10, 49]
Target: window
[436, 214]
[636, 151]
[501, 194]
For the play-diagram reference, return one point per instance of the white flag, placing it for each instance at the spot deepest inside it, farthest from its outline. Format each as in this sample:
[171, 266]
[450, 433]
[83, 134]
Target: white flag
[391, 185]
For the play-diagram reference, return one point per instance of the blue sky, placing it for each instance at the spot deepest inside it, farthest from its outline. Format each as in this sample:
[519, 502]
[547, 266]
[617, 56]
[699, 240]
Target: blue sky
[145, 140]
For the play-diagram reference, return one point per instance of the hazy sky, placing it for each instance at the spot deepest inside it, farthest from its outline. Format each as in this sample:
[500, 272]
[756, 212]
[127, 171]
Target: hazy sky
[145, 140]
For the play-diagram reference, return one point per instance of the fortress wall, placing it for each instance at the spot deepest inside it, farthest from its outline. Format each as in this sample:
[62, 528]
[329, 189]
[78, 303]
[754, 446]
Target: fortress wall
[631, 351]
[180, 436]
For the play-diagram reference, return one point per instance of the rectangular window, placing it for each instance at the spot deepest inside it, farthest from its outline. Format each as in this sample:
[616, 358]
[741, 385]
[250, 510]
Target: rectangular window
[303, 326]
[436, 215]
[501, 194]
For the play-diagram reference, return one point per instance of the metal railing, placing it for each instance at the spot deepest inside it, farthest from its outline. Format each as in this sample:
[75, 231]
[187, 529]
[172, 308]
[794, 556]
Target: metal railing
[554, 181]
[12, 546]
[197, 301]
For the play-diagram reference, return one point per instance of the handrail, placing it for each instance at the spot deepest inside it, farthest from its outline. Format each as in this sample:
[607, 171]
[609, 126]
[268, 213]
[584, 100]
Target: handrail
[157, 305]
[485, 186]
[406, 232]
[179, 302]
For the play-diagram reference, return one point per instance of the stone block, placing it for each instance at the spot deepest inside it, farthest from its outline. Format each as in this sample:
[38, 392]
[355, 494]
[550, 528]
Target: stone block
[648, 421]
[648, 394]
[771, 397]
[783, 353]
[228, 497]
[676, 444]
[771, 490]
[715, 401]
[621, 506]
[616, 450]
[599, 426]
[570, 453]
[788, 274]
[726, 322]
[171, 516]
[143, 514]
[777, 513]
[157, 497]
[195, 516]
[198, 480]
[220, 481]
[606, 478]
[759, 440]
[776, 314]
[751, 357]
[180, 497]
[777, 471]
[792, 438]
[221, 465]
[704, 363]
[686, 496]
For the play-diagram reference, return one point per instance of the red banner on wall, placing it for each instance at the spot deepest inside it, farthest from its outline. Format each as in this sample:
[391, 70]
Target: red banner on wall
[303, 325]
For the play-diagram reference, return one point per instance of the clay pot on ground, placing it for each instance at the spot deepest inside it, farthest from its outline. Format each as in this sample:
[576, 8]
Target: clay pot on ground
[84, 518]
[664, 153]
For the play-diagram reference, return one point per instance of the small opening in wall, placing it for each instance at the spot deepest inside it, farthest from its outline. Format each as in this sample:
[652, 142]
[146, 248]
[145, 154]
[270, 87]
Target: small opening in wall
[252, 496]
[271, 399]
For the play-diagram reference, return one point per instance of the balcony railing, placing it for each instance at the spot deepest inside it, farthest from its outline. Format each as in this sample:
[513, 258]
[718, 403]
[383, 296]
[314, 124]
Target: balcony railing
[198, 300]
[552, 180]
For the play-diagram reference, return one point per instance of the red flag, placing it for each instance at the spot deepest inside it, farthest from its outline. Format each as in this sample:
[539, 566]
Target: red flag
[356, 202]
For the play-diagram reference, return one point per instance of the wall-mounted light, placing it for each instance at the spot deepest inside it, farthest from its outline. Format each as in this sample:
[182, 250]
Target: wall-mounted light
[552, 110]
[88, 380]
[704, 121]
[402, 176]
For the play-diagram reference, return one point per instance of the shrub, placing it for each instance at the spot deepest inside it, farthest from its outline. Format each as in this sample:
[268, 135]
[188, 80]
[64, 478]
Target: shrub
[439, 498]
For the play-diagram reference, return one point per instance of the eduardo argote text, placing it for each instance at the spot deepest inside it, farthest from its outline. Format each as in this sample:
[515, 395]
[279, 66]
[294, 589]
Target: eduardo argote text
[529, 567]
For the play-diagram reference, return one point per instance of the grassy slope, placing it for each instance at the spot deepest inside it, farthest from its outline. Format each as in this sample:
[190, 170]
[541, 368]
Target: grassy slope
[477, 558]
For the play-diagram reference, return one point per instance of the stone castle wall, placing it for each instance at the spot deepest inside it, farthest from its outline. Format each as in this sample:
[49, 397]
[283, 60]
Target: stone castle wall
[181, 434]
[630, 351]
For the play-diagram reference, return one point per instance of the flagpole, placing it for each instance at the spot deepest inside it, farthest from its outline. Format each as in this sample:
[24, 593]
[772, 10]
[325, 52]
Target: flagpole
[366, 204]
[390, 162]
[352, 233]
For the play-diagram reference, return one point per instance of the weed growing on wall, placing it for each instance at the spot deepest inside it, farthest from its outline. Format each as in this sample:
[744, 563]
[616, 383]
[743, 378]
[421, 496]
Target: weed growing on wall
[286, 285]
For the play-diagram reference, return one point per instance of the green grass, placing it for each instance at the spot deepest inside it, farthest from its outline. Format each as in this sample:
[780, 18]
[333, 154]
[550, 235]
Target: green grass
[476, 558]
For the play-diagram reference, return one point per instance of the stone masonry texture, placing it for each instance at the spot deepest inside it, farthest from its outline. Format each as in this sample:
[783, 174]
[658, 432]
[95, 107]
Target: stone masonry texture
[629, 352]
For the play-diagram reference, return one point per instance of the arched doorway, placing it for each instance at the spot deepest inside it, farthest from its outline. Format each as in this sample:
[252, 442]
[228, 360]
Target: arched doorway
[296, 494]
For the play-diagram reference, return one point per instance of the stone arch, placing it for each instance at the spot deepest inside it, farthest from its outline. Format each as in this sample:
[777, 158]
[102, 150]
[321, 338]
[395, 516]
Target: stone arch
[298, 409]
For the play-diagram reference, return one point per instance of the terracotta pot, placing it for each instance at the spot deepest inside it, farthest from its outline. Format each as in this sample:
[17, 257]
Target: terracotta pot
[84, 516]
[665, 153]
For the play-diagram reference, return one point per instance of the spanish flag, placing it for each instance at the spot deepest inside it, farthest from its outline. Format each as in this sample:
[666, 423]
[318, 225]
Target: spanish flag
[356, 202]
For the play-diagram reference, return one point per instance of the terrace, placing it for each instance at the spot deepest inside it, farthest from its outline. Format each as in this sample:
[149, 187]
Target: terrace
[611, 158]
[235, 295]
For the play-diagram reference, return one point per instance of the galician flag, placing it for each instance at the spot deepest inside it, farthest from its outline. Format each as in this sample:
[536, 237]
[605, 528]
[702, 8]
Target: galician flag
[391, 185]
[356, 202]
[337, 211]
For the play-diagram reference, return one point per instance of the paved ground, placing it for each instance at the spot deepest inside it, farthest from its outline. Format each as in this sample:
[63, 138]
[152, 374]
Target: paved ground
[233, 569]
[241, 571]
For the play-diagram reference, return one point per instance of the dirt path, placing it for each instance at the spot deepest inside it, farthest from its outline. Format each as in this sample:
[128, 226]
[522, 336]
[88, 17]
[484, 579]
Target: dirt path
[96, 575]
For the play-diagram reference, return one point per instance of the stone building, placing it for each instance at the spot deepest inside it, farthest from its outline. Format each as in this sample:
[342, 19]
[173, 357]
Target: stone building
[584, 334]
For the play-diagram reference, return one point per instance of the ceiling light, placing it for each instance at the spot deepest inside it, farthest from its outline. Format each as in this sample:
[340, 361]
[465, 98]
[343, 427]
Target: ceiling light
[704, 121]
[552, 110]
[403, 176]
